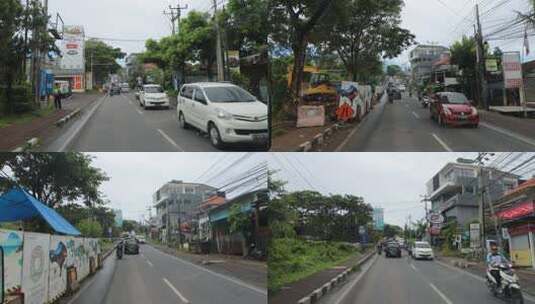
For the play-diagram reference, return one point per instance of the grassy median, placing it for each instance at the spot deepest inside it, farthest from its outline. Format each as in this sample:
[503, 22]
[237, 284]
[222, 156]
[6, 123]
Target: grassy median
[291, 260]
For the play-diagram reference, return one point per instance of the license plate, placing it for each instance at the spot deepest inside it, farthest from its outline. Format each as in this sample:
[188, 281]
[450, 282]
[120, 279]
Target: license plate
[260, 137]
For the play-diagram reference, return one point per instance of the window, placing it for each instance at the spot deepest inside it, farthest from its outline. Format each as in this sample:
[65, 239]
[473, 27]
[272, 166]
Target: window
[187, 92]
[199, 96]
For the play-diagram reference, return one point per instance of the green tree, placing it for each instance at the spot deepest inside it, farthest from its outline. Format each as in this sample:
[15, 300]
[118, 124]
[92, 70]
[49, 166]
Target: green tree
[90, 228]
[392, 231]
[246, 25]
[365, 31]
[57, 178]
[293, 23]
[102, 58]
[393, 70]
[129, 225]
[463, 54]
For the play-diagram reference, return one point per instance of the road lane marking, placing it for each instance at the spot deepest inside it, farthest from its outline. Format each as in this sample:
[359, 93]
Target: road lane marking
[182, 298]
[516, 136]
[356, 280]
[233, 280]
[139, 111]
[82, 124]
[415, 115]
[479, 278]
[442, 143]
[170, 140]
[148, 262]
[412, 266]
[440, 294]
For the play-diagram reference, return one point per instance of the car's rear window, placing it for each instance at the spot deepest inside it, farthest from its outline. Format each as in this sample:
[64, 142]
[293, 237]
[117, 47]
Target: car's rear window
[153, 90]
[228, 94]
[457, 98]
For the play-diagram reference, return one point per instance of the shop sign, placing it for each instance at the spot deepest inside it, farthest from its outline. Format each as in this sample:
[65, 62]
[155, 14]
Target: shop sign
[517, 211]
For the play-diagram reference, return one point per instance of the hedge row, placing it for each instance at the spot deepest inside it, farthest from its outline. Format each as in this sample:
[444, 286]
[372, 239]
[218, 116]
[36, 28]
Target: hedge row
[21, 100]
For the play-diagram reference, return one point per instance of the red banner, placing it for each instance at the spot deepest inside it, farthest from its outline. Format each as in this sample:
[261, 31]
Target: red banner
[518, 211]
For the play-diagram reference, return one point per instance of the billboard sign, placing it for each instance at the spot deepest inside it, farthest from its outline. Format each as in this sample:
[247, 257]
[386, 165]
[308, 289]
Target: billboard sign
[35, 267]
[512, 70]
[435, 218]
[518, 211]
[72, 48]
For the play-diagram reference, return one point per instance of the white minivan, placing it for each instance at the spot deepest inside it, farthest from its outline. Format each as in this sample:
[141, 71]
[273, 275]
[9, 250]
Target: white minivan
[228, 113]
[422, 250]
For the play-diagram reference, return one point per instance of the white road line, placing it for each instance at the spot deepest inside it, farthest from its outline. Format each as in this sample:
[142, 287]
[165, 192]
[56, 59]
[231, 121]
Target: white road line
[148, 262]
[356, 280]
[415, 115]
[233, 280]
[412, 266]
[516, 136]
[170, 140]
[440, 294]
[182, 298]
[140, 113]
[442, 143]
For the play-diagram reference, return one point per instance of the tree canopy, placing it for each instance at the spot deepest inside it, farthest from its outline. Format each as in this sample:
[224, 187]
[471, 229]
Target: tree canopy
[56, 178]
[103, 58]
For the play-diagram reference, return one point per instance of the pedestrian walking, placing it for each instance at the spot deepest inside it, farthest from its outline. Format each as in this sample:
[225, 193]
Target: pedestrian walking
[57, 97]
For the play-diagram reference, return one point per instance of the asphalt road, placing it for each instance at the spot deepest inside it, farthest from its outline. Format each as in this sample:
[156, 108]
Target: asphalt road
[155, 277]
[407, 281]
[120, 124]
[405, 126]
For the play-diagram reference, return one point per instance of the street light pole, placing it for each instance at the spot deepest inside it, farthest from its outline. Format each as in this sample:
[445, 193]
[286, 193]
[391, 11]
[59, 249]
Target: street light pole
[219, 55]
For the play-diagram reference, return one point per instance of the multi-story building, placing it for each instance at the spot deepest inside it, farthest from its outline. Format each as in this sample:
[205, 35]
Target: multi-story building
[378, 218]
[453, 191]
[118, 217]
[422, 58]
[131, 62]
[177, 202]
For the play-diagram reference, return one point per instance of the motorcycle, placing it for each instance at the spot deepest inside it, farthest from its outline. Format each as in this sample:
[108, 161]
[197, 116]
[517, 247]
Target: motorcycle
[119, 251]
[425, 102]
[510, 288]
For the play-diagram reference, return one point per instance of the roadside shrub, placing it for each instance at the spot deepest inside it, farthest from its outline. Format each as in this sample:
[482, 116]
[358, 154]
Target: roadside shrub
[21, 100]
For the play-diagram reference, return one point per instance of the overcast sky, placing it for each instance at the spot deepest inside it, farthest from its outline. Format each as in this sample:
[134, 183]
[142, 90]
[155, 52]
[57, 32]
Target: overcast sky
[134, 177]
[393, 181]
[439, 21]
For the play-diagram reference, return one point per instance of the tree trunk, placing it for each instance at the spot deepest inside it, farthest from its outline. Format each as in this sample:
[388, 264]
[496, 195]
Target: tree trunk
[299, 49]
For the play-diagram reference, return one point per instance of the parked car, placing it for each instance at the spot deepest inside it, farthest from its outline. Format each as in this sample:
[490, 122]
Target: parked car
[228, 113]
[125, 88]
[392, 249]
[131, 246]
[453, 108]
[422, 250]
[153, 95]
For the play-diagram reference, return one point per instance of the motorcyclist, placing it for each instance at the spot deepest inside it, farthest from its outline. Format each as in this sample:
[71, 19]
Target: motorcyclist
[120, 249]
[496, 258]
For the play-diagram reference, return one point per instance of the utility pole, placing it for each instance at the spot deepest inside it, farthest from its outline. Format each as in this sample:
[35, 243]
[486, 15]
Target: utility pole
[174, 15]
[219, 51]
[482, 87]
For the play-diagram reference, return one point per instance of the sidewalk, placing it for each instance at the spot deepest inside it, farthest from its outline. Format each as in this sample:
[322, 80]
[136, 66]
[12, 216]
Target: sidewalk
[519, 125]
[252, 272]
[526, 276]
[293, 137]
[295, 291]
[16, 135]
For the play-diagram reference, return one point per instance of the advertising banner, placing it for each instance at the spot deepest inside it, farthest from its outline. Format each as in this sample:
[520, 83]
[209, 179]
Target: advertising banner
[475, 241]
[234, 61]
[11, 242]
[517, 211]
[35, 267]
[72, 48]
[310, 116]
[57, 277]
[512, 70]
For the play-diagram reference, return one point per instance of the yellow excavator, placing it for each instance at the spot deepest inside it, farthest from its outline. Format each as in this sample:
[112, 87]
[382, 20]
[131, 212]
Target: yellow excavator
[316, 85]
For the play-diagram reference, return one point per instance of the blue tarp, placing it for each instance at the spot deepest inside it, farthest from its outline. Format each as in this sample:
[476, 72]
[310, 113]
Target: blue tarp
[18, 205]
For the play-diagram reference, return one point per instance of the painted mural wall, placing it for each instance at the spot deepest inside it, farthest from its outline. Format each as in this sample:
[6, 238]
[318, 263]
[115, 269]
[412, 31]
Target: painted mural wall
[37, 263]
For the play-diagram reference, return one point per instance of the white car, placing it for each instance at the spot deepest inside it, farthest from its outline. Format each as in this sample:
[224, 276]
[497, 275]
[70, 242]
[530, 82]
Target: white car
[153, 95]
[125, 88]
[228, 113]
[422, 250]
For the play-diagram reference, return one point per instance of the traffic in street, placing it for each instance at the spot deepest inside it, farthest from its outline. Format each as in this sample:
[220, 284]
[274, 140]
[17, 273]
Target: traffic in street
[405, 125]
[156, 277]
[406, 280]
[118, 122]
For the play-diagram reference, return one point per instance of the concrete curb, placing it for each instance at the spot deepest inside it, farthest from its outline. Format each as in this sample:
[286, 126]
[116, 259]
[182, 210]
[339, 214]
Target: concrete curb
[30, 144]
[70, 116]
[319, 139]
[321, 291]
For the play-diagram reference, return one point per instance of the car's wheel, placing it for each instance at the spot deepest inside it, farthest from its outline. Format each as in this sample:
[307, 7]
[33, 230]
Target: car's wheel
[475, 126]
[182, 121]
[215, 136]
